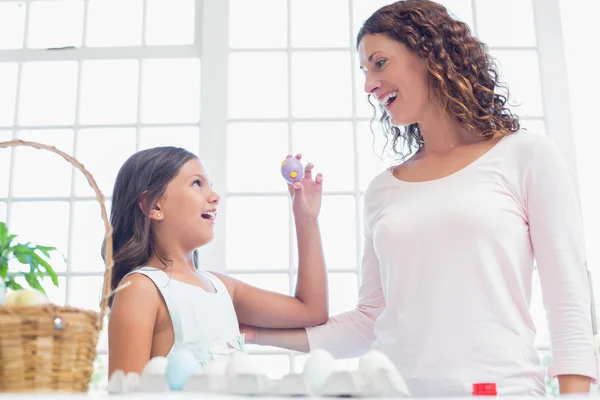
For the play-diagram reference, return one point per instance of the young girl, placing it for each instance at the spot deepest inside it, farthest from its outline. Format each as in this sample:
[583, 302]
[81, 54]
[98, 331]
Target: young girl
[163, 208]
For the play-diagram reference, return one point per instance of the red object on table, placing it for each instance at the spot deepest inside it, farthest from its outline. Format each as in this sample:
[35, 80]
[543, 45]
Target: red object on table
[484, 389]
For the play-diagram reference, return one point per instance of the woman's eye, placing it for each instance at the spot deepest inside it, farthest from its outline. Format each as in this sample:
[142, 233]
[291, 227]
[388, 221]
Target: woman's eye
[197, 182]
[380, 63]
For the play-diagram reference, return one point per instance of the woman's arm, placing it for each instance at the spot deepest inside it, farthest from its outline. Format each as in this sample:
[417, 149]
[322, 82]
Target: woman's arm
[556, 235]
[131, 325]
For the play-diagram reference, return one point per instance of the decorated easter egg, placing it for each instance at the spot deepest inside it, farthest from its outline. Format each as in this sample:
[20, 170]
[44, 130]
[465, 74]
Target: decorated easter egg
[181, 364]
[292, 170]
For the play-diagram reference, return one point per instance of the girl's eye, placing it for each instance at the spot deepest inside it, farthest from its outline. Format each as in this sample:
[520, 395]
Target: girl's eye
[379, 63]
[197, 182]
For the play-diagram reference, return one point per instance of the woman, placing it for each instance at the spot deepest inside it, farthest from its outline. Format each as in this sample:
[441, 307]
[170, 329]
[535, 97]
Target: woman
[451, 233]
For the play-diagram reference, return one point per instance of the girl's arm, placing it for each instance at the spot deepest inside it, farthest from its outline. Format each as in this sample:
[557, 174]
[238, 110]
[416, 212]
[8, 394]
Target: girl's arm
[131, 325]
[309, 305]
[347, 335]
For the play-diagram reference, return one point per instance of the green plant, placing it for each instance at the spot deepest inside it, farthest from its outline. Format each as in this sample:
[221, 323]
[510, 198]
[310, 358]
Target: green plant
[35, 256]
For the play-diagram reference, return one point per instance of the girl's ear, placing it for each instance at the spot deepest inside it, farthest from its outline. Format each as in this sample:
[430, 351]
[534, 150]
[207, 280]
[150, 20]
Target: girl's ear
[155, 213]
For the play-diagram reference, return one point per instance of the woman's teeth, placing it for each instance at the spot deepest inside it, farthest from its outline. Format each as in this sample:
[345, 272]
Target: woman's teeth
[210, 215]
[387, 100]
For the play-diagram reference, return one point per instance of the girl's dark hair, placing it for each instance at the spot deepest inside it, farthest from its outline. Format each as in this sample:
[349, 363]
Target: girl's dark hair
[144, 176]
[462, 72]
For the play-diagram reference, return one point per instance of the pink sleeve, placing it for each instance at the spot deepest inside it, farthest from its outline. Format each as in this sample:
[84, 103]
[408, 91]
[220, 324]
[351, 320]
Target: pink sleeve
[557, 238]
[350, 334]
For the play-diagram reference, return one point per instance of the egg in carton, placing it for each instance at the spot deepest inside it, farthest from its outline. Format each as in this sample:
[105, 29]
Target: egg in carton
[213, 379]
[317, 369]
[342, 384]
[385, 384]
[379, 377]
[291, 385]
[121, 383]
[153, 378]
[244, 377]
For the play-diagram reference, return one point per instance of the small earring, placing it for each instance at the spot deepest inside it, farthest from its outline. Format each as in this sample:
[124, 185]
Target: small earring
[158, 214]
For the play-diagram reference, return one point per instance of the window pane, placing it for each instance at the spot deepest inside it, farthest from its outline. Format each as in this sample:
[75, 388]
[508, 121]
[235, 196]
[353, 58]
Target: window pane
[460, 10]
[114, 23]
[8, 91]
[520, 70]
[5, 154]
[56, 295]
[85, 292]
[279, 283]
[492, 17]
[321, 84]
[251, 27]
[248, 156]
[171, 90]
[257, 233]
[43, 223]
[361, 10]
[48, 93]
[57, 23]
[103, 152]
[317, 23]
[338, 231]
[187, 137]
[170, 22]
[2, 211]
[109, 91]
[12, 24]
[258, 85]
[40, 173]
[274, 366]
[330, 146]
[343, 292]
[87, 236]
[373, 158]
[533, 126]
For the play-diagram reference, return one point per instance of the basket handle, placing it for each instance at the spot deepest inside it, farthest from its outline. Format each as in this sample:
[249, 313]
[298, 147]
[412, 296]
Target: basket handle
[108, 247]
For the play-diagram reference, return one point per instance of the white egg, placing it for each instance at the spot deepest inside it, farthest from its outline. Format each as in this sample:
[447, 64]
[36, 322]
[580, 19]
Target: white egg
[319, 366]
[156, 366]
[117, 382]
[371, 363]
[242, 364]
[133, 382]
[216, 367]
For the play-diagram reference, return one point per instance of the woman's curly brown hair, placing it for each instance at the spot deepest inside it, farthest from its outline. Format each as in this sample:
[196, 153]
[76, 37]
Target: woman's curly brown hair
[462, 72]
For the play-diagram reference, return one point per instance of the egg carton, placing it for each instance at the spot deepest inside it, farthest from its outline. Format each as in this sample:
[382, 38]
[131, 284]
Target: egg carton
[339, 384]
[375, 377]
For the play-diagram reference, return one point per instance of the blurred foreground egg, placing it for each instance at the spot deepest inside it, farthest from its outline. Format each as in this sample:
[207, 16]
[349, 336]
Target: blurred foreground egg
[319, 366]
[181, 364]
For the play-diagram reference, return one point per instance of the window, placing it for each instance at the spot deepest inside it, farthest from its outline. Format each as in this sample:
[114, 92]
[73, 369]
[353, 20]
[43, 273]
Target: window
[241, 83]
[99, 79]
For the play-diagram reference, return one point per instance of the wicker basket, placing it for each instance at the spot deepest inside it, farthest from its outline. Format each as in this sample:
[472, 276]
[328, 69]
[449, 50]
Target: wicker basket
[49, 348]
